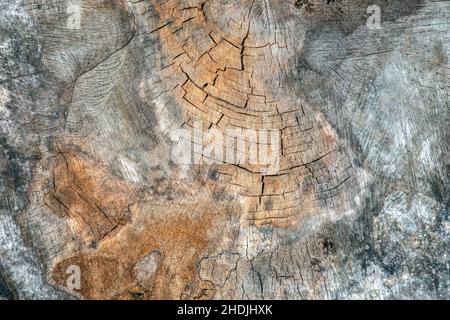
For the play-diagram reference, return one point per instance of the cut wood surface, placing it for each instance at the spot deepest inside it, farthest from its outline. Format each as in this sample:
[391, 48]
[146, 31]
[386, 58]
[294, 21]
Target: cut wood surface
[355, 121]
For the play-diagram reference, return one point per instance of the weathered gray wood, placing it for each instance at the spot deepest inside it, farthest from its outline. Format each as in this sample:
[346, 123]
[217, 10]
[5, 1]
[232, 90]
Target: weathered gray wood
[358, 207]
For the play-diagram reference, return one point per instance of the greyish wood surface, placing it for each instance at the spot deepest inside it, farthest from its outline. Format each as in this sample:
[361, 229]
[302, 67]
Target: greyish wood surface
[357, 209]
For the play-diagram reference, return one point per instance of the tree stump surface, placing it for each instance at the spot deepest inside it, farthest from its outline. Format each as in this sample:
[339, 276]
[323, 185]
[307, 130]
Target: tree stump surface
[354, 204]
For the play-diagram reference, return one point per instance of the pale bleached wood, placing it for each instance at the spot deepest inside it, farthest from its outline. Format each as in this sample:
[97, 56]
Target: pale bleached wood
[357, 209]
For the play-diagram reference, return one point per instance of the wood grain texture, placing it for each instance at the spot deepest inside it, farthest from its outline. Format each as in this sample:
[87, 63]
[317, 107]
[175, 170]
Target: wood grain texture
[358, 207]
